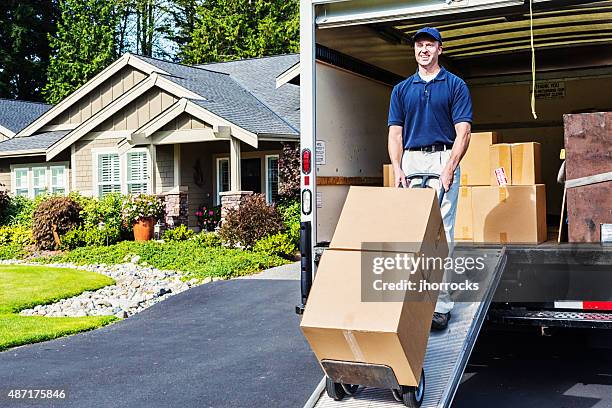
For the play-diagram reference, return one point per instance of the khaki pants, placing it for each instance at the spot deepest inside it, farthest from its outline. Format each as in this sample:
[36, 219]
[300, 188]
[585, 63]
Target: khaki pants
[434, 162]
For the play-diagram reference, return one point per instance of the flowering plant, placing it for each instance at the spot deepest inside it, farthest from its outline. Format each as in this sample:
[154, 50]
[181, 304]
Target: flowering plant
[208, 217]
[139, 207]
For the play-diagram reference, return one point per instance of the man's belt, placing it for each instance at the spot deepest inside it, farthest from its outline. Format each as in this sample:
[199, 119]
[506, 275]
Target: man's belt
[439, 147]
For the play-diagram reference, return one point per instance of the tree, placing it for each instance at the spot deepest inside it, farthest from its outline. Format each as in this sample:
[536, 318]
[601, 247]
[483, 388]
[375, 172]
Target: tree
[24, 26]
[84, 44]
[232, 29]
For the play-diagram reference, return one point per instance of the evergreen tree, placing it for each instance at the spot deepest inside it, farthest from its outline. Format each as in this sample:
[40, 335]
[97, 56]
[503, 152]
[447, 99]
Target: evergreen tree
[84, 44]
[24, 47]
[233, 29]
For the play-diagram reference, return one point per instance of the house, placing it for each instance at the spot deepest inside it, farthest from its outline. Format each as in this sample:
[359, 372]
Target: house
[197, 135]
[16, 115]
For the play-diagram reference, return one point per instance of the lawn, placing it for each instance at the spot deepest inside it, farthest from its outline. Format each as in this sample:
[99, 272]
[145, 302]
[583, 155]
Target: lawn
[190, 257]
[23, 287]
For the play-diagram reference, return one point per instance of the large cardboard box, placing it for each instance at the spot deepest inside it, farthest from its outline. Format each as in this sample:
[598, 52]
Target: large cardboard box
[510, 214]
[475, 162]
[388, 176]
[337, 322]
[526, 164]
[500, 156]
[464, 231]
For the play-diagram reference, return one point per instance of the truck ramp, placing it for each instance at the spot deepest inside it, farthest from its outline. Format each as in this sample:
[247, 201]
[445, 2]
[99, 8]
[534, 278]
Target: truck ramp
[447, 353]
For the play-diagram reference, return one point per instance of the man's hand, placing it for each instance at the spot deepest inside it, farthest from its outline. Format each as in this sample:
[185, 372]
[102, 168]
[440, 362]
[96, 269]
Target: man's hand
[446, 177]
[400, 178]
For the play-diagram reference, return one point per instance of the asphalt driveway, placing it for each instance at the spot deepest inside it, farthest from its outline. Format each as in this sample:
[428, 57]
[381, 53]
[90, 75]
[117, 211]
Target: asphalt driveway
[226, 344]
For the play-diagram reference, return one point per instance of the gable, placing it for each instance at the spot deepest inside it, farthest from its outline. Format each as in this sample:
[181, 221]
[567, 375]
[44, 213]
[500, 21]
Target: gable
[109, 90]
[185, 121]
[138, 112]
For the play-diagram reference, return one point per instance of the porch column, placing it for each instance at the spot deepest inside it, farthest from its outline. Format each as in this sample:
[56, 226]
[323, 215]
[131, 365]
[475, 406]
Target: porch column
[234, 164]
[177, 165]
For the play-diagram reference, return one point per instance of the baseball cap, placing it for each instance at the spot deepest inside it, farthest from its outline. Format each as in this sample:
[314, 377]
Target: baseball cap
[429, 31]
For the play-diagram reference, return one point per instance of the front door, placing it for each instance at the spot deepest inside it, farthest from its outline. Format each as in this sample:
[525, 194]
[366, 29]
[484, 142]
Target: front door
[251, 175]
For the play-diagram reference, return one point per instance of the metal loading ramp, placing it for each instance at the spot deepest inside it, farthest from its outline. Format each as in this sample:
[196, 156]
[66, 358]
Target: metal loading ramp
[447, 351]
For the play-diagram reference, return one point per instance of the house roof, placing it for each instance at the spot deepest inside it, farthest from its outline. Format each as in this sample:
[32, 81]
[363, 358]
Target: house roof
[229, 93]
[16, 115]
[30, 144]
[258, 76]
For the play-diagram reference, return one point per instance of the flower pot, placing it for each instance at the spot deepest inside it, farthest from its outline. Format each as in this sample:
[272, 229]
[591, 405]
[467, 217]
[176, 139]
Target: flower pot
[143, 229]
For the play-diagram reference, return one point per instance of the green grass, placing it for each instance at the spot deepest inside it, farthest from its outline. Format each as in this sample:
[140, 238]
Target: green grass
[190, 257]
[23, 287]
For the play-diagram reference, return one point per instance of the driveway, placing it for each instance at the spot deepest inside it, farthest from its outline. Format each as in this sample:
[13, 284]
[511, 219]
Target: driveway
[225, 344]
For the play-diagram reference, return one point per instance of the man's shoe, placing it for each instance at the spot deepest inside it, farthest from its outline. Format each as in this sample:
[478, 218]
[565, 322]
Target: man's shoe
[439, 321]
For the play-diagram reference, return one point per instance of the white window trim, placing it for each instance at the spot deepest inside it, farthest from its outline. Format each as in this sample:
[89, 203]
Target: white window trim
[96, 152]
[218, 161]
[30, 176]
[267, 181]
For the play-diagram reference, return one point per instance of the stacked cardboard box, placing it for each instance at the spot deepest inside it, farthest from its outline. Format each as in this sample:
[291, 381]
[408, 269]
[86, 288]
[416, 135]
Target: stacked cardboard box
[511, 206]
[338, 324]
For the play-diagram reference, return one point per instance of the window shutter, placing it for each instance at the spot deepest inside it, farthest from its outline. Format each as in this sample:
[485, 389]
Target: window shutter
[137, 172]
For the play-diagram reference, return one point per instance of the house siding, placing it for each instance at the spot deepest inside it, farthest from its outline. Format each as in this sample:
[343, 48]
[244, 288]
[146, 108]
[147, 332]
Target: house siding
[165, 168]
[139, 112]
[104, 94]
[5, 167]
[84, 162]
[185, 122]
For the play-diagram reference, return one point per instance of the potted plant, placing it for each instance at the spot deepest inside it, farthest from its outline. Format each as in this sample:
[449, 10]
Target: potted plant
[141, 212]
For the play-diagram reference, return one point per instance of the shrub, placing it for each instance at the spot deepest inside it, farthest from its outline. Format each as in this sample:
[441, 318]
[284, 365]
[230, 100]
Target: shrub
[5, 201]
[290, 213]
[61, 212]
[90, 236]
[16, 235]
[279, 244]
[138, 207]
[180, 233]
[208, 217]
[207, 239]
[253, 220]
[289, 171]
[19, 211]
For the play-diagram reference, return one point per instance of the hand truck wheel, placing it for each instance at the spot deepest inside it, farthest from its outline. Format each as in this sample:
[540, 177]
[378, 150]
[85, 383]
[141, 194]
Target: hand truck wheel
[337, 391]
[412, 397]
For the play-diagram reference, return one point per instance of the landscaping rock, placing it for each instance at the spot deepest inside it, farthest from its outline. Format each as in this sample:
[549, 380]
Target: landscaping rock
[136, 289]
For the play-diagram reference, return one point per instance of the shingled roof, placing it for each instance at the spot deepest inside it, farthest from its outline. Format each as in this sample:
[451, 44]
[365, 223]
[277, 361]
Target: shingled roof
[242, 92]
[16, 115]
[32, 144]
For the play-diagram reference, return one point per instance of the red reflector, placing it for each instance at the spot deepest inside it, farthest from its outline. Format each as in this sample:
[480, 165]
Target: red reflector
[597, 305]
[306, 180]
[306, 161]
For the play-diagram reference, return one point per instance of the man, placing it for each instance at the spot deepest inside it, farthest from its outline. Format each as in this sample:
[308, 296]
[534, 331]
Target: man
[430, 118]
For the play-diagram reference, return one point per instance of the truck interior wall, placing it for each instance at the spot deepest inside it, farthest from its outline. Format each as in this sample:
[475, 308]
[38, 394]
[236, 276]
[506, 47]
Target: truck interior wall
[352, 122]
[510, 104]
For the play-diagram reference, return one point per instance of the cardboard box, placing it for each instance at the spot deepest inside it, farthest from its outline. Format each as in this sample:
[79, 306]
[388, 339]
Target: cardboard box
[500, 156]
[337, 323]
[463, 222]
[388, 176]
[475, 162]
[526, 164]
[388, 219]
[510, 214]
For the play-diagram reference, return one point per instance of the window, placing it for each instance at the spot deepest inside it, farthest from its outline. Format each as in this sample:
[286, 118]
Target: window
[58, 180]
[39, 180]
[137, 172]
[109, 174]
[223, 178]
[21, 182]
[271, 178]
[32, 180]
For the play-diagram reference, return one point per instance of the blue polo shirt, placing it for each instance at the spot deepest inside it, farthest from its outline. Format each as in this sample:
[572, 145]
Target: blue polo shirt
[428, 111]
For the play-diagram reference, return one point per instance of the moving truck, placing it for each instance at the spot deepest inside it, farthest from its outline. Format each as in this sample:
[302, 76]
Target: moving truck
[352, 54]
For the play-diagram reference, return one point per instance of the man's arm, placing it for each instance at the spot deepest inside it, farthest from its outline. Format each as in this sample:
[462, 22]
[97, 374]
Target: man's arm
[396, 149]
[462, 141]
